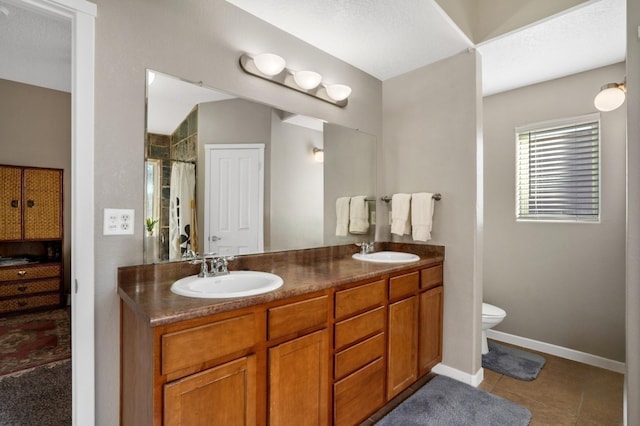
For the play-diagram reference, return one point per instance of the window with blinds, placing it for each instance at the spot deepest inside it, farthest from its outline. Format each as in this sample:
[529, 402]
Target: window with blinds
[558, 170]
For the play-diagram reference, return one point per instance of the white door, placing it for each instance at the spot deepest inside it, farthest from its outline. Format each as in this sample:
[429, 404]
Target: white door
[234, 193]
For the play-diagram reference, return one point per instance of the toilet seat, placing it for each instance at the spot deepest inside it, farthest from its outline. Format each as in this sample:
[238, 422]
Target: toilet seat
[490, 311]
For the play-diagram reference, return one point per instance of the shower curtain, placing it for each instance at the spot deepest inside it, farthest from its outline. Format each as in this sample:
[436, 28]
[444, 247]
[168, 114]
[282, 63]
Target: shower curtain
[182, 210]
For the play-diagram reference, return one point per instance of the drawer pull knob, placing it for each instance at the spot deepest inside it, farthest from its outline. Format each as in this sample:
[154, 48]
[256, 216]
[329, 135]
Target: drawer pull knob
[14, 203]
[22, 288]
[22, 303]
[22, 273]
[30, 203]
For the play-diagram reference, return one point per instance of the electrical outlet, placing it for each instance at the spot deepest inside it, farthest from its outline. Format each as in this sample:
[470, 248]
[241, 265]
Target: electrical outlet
[118, 221]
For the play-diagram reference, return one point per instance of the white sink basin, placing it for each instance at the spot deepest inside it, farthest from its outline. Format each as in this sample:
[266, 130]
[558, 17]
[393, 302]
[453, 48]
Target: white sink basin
[236, 284]
[387, 257]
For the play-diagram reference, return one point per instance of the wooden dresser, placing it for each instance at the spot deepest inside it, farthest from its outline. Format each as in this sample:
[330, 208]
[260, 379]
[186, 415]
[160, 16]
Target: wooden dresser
[31, 239]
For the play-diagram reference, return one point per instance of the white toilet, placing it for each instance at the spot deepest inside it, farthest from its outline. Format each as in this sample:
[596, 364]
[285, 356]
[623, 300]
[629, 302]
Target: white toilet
[491, 316]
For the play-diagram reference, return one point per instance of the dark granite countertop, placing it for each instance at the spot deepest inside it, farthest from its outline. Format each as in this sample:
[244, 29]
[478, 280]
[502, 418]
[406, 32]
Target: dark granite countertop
[146, 288]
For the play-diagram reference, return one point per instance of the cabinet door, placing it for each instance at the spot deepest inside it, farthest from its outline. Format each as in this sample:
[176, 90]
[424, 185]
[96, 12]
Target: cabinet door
[403, 345]
[431, 303]
[299, 381]
[42, 204]
[10, 203]
[224, 395]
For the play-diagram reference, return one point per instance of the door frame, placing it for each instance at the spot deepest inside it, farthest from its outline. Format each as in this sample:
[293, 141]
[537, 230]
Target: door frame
[253, 146]
[82, 15]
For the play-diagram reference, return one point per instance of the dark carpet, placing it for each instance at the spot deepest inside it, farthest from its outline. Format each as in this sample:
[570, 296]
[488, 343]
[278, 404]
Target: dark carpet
[37, 397]
[512, 362]
[448, 402]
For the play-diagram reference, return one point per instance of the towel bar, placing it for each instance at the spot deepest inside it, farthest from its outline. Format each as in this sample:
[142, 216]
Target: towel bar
[437, 196]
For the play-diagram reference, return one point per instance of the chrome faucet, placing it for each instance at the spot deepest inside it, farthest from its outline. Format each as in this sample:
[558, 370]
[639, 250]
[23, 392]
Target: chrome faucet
[219, 265]
[366, 248]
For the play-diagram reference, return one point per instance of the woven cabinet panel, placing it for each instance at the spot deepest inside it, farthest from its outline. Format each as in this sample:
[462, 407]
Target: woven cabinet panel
[29, 302]
[42, 204]
[30, 273]
[10, 203]
[31, 287]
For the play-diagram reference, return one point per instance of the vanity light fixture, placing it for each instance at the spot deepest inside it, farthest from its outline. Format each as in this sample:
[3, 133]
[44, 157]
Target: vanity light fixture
[307, 82]
[610, 97]
[318, 154]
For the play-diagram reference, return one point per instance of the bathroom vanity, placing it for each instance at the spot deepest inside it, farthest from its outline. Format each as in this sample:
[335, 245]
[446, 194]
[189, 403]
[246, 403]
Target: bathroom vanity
[339, 340]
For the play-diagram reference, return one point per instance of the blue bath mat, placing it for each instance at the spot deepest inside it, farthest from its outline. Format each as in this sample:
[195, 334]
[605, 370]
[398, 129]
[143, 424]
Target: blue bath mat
[448, 402]
[512, 362]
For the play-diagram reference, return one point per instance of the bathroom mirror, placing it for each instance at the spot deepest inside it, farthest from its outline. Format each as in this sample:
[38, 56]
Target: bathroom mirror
[219, 167]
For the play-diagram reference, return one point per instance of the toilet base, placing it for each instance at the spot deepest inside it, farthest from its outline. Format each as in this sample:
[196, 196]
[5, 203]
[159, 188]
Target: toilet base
[485, 345]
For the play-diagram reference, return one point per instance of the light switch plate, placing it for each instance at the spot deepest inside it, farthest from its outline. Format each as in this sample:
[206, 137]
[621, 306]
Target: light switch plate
[118, 221]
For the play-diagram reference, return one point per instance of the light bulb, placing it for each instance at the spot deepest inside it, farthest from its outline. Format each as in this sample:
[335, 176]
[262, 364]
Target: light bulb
[611, 96]
[269, 64]
[338, 92]
[307, 79]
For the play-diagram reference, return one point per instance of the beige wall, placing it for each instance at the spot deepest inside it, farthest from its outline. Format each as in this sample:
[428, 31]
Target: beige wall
[35, 130]
[199, 40]
[560, 283]
[633, 215]
[432, 128]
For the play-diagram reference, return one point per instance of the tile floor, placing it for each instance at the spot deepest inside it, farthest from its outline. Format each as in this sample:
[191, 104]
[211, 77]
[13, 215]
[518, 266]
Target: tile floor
[564, 393]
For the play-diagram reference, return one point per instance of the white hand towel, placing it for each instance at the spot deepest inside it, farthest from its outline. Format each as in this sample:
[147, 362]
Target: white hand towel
[400, 204]
[358, 215]
[422, 215]
[342, 216]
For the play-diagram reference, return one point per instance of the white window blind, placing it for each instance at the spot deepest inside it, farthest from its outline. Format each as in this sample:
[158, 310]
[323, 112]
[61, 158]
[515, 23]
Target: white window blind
[558, 170]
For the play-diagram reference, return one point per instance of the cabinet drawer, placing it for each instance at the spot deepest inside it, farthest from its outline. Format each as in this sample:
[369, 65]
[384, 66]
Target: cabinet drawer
[403, 285]
[194, 346]
[359, 298]
[359, 395]
[29, 287]
[26, 272]
[358, 327]
[359, 355]
[30, 302]
[299, 316]
[431, 277]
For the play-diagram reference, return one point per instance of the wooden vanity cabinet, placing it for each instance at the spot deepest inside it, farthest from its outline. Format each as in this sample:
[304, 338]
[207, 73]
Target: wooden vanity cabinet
[359, 352]
[298, 362]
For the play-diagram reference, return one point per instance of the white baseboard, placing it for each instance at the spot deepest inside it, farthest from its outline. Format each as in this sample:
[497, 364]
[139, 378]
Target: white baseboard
[548, 348]
[473, 380]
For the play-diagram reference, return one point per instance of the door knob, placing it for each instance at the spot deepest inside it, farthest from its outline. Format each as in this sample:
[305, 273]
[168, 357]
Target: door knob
[214, 238]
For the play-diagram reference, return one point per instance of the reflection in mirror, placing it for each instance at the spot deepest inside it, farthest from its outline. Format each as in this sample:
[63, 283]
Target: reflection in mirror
[231, 176]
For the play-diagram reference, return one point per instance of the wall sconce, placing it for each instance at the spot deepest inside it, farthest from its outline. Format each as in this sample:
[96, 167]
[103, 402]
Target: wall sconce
[610, 97]
[271, 67]
[318, 155]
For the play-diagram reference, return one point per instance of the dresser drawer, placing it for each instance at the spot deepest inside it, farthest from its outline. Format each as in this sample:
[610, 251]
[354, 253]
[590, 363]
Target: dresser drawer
[28, 272]
[192, 347]
[29, 302]
[359, 395]
[358, 327]
[403, 285]
[29, 287]
[359, 355]
[358, 299]
[431, 277]
[294, 317]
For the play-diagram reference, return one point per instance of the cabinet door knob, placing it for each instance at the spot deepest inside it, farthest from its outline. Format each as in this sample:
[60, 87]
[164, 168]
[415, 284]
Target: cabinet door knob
[14, 204]
[22, 273]
[30, 203]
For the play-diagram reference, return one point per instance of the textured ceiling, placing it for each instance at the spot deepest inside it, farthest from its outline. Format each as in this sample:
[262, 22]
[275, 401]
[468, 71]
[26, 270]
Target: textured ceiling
[35, 48]
[382, 38]
[386, 39]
